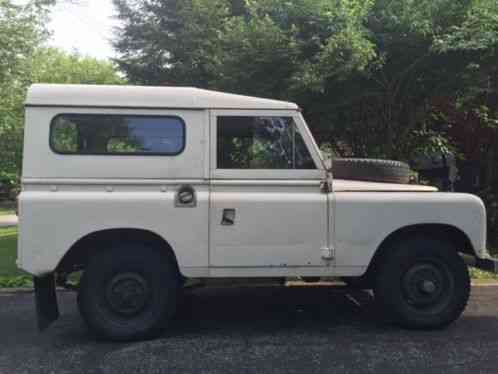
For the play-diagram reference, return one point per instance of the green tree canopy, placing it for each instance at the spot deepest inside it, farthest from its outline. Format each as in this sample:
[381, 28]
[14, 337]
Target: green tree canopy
[21, 31]
[366, 72]
[266, 47]
[46, 65]
[51, 65]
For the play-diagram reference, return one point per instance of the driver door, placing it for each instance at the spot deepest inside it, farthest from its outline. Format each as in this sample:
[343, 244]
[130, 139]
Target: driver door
[267, 209]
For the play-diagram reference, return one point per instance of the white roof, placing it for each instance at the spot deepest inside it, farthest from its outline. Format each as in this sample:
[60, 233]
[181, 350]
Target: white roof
[73, 95]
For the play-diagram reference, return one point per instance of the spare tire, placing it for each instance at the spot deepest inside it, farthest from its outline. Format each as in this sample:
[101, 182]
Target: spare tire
[367, 169]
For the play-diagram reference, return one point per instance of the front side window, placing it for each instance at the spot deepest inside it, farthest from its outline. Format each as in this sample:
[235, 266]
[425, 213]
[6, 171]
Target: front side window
[101, 134]
[245, 142]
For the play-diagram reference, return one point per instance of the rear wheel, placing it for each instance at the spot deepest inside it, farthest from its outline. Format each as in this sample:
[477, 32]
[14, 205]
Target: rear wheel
[423, 283]
[128, 293]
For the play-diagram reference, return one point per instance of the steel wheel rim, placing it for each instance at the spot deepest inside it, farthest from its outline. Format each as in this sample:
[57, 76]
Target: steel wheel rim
[127, 294]
[428, 286]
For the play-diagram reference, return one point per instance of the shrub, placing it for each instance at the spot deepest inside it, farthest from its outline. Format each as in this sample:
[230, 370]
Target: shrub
[490, 198]
[14, 282]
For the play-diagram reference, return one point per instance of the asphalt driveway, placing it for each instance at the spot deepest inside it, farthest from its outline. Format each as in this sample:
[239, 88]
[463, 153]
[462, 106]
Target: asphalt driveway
[263, 330]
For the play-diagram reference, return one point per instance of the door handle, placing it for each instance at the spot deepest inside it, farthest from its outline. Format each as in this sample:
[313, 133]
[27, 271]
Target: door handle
[228, 218]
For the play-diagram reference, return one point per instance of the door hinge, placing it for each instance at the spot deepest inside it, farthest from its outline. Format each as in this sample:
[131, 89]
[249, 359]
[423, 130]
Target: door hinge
[325, 186]
[328, 254]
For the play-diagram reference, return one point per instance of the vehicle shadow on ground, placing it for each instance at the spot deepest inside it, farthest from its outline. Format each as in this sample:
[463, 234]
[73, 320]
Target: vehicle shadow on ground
[265, 309]
[249, 311]
[287, 311]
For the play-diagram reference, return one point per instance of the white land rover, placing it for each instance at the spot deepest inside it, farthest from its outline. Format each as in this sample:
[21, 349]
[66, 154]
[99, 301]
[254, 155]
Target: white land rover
[141, 188]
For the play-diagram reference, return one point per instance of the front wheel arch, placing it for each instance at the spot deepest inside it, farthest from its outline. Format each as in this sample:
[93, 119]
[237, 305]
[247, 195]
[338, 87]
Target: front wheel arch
[443, 232]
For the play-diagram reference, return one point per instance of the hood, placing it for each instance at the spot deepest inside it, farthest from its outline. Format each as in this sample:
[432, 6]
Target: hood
[343, 185]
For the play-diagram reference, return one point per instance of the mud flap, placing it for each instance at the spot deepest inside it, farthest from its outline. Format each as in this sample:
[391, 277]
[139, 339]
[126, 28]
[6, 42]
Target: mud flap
[47, 310]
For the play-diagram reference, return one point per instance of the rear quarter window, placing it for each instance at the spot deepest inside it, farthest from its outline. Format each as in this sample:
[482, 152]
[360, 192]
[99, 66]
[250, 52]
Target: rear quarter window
[102, 134]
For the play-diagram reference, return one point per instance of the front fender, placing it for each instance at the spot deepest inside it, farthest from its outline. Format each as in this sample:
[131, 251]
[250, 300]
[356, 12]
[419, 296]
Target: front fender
[363, 220]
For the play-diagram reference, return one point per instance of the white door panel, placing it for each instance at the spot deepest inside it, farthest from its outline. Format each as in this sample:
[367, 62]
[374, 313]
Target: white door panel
[273, 226]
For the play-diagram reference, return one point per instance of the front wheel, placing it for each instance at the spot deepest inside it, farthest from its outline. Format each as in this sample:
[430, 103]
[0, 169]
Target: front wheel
[423, 283]
[128, 293]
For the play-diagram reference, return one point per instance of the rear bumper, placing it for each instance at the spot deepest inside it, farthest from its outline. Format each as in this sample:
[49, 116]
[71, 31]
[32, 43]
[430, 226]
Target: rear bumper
[47, 310]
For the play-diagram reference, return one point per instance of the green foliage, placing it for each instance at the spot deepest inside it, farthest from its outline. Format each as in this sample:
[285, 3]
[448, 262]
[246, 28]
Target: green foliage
[479, 275]
[268, 47]
[478, 30]
[51, 65]
[371, 75]
[20, 281]
[490, 198]
[7, 208]
[8, 246]
[366, 72]
[27, 62]
[21, 31]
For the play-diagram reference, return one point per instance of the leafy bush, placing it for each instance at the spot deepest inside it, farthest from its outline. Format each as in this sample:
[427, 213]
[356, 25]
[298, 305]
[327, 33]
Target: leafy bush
[490, 198]
[477, 274]
[15, 282]
[9, 185]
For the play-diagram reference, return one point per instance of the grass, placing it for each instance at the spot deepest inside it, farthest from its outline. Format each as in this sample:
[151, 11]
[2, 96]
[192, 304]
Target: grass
[11, 276]
[6, 211]
[8, 246]
[7, 208]
[479, 275]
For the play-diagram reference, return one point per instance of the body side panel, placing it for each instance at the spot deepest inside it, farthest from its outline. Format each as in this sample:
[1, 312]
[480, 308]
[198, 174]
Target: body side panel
[54, 217]
[363, 220]
[275, 225]
[66, 197]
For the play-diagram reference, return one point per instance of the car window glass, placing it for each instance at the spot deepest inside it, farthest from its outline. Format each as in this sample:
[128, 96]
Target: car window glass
[245, 142]
[117, 134]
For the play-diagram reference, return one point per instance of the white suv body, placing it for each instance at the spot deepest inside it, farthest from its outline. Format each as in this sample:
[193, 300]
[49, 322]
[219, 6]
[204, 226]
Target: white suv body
[232, 186]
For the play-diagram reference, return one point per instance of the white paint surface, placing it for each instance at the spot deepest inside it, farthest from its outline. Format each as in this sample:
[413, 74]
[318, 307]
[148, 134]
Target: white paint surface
[283, 223]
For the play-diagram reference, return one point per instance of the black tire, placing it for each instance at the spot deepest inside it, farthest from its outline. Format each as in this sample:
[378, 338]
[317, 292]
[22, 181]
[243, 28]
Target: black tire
[422, 283]
[128, 293]
[372, 170]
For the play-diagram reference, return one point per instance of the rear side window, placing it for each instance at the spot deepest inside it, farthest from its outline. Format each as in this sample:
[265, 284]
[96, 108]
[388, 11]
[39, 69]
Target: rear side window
[102, 134]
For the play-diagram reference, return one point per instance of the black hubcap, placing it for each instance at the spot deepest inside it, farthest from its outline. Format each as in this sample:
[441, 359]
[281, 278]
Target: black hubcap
[127, 293]
[427, 285]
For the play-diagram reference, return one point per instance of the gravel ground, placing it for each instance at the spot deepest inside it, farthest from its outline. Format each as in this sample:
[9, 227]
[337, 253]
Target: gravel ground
[263, 330]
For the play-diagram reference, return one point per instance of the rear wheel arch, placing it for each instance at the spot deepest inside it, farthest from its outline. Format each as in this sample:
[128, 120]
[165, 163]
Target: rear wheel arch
[81, 251]
[447, 233]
